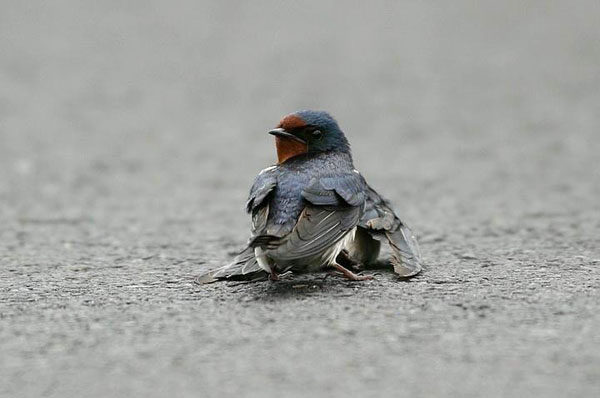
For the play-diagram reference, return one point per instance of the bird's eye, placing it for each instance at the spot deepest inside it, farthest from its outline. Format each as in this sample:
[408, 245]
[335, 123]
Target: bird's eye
[317, 134]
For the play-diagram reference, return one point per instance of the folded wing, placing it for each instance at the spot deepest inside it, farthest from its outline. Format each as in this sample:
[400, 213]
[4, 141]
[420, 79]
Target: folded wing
[382, 223]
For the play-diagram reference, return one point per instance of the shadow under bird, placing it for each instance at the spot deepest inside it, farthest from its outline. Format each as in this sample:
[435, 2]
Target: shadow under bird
[313, 210]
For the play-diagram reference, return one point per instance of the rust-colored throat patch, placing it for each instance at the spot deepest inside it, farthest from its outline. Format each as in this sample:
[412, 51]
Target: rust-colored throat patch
[288, 148]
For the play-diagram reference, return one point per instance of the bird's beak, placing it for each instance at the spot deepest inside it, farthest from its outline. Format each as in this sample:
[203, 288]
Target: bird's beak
[279, 132]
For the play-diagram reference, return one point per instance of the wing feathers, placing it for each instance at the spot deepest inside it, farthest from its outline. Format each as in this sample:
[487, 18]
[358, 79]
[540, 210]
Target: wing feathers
[263, 185]
[316, 230]
[379, 219]
[346, 189]
[406, 258]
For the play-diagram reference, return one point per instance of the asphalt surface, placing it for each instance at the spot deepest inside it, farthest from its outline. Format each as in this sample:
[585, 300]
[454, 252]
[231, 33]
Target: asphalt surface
[130, 135]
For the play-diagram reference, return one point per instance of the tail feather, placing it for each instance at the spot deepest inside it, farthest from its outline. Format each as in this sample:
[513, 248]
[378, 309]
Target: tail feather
[406, 257]
[243, 267]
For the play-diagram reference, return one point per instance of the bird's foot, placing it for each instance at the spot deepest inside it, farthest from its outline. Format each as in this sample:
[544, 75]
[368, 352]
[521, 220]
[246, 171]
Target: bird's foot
[351, 275]
[348, 262]
[274, 276]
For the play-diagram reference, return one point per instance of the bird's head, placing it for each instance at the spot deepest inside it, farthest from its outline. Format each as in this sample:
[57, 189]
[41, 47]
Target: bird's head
[308, 132]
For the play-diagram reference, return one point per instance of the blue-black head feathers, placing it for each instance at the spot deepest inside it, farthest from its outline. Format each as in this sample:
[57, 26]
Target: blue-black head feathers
[318, 129]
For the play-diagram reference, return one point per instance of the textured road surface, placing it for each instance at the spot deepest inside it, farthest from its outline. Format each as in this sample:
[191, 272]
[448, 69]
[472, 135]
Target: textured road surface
[130, 134]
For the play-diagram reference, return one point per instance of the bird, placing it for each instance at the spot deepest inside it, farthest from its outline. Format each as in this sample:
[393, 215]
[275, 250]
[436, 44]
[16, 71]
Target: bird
[314, 211]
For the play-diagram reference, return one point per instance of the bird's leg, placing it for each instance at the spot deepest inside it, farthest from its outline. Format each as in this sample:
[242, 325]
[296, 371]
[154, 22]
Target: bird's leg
[349, 274]
[273, 276]
[344, 259]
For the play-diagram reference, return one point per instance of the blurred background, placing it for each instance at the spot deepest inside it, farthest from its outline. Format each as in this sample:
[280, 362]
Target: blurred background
[130, 133]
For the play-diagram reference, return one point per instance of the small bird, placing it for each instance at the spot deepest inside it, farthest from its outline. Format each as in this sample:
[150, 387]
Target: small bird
[313, 210]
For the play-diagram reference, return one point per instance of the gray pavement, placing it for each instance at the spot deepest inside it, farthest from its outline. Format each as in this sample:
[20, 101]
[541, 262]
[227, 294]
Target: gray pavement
[130, 133]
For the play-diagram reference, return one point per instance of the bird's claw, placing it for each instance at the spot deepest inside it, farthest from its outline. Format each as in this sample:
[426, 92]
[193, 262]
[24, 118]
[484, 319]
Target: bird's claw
[346, 273]
[274, 276]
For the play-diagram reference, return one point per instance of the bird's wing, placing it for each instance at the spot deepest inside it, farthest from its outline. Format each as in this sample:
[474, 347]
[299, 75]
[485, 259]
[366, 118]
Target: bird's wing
[334, 204]
[318, 228]
[336, 190]
[382, 223]
[258, 199]
[263, 185]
